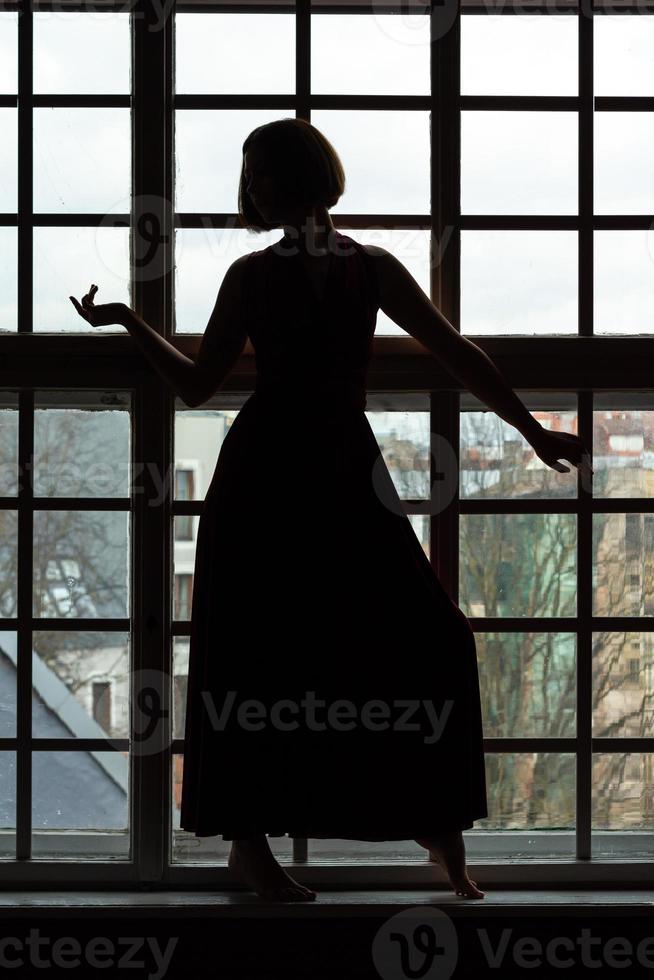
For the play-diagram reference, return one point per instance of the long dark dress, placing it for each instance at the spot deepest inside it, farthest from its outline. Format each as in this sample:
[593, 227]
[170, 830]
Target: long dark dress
[310, 578]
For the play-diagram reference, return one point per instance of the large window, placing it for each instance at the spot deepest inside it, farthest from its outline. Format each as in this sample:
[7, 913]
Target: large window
[502, 154]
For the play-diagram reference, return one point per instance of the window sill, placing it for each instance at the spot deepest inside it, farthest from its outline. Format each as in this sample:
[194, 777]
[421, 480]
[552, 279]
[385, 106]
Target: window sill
[193, 903]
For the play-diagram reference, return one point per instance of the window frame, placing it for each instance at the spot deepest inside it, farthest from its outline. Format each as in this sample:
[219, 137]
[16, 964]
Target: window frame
[400, 365]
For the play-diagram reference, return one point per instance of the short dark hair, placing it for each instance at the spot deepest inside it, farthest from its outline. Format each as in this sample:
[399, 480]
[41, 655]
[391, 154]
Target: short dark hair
[304, 165]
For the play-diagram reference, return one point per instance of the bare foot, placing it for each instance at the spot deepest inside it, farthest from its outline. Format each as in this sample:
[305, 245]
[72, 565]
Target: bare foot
[254, 864]
[448, 849]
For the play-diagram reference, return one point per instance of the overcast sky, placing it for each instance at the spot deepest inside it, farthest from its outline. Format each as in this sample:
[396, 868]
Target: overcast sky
[518, 163]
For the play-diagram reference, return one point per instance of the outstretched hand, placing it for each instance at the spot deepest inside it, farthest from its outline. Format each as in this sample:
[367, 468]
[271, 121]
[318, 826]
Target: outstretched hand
[553, 446]
[98, 316]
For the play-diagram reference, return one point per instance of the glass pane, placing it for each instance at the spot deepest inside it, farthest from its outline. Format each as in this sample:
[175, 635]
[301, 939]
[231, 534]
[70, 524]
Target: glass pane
[9, 160]
[8, 804]
[385, 154]
[623, 452]
[81, 52]
[81, 564]
[518, 564]
[83, 159]
[185, 531]
[80, 791]
[519, 282]
[199, 435]
[623, 54]
[403, 438]
[624, 285]
[623, 564]
[525, 55]
[624, 145]
[623, 791]
[202, 257]
[81, 685]
[66, 262]
[529, 790]
[519, 162]
[396, 54]
[180, 676]
[420, 524]
[228, 54]
[498, 462]
[81, 445]
[623, 685]
[528, 684]
[8, 443]
[411, 247]
[8, 659]
[8, 563]
[8, 54]
[209, 155]
[8, 280]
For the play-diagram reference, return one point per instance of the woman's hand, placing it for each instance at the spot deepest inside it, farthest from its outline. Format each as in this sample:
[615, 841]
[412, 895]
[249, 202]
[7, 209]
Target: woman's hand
[99, 316]
[551, 446]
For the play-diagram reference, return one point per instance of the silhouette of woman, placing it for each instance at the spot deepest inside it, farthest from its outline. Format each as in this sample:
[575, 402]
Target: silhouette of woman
[333, 688]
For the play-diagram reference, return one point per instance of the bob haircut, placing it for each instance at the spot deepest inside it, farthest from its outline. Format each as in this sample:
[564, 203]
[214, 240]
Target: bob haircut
[305, 168]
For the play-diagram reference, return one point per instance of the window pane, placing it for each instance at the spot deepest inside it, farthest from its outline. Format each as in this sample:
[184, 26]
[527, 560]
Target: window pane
[81, 445]
[183, 568]
[396, 50]
[8, 443]
[229, 54]
[199, 434]
[81, 52]
[519, 282]
[623, 54]
[81, 564]
[529, 790]
[623, 450]
[9, 161]
[403, 438]
[623, 784]
[209, 155]
[180, 676]
[385, 155]
[624, 145]
[623, 685]
[65, 669]
[202, 257]
[8, 54]
[624, 285]
[83, 159]
[519, 162]
[8, 804]
[8, 656]
[8, 563]
[420, 524]
[518, 564]
[66, 262]
[8, 280]
[528, 684]
[623, 564]
[80, 791]
[525, 55]
[498, 462]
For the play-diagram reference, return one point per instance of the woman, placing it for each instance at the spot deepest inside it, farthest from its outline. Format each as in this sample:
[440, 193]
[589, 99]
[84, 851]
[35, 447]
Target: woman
[311, 587]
